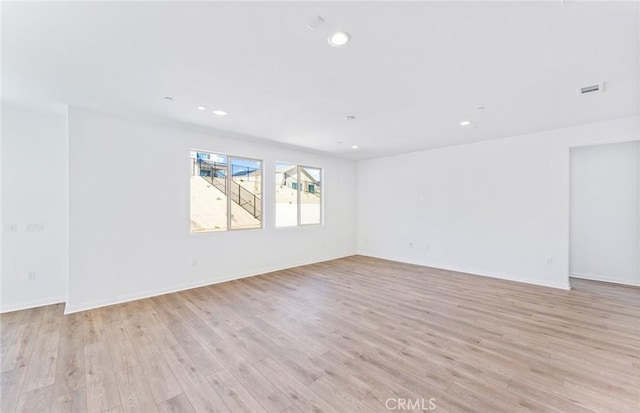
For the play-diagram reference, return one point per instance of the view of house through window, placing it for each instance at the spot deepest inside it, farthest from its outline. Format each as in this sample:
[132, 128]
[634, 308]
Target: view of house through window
[309, 188]
[210, 184]
[298, 195]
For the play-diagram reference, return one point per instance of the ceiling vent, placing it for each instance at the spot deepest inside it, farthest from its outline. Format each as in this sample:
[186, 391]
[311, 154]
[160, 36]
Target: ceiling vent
[597, 88]
[317, 22]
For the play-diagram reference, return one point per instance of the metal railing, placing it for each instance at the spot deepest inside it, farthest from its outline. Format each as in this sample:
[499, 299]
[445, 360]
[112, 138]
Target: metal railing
[246, 199]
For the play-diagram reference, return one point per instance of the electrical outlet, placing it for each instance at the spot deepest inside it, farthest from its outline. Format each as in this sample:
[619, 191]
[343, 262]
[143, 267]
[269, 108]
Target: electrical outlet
[35, 227]
[31, 275]
[7, 228]
[549, 261]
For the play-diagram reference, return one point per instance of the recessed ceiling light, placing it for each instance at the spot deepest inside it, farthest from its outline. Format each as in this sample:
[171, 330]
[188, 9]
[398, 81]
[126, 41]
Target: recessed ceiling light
[354, 147]
[339, 39]
[168, 98]
[220, 112]
[350, 118]
[465, 123]
[201, 108]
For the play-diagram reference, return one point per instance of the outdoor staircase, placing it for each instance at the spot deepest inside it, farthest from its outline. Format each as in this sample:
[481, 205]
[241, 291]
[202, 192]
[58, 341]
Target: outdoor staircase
[246, 199]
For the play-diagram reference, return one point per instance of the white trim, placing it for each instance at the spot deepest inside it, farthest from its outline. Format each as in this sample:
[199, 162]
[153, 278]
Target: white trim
[560, 286]
[74, 308]
[25, 305]
[601, 278]
[227, 185]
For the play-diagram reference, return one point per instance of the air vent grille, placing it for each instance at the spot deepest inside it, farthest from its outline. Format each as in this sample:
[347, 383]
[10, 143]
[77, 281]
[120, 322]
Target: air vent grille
[591, 89]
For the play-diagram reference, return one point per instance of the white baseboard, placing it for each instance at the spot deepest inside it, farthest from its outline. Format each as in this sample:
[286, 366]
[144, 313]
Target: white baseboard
[595, 277]
[25, 305]
[561, 285]
[77, 307]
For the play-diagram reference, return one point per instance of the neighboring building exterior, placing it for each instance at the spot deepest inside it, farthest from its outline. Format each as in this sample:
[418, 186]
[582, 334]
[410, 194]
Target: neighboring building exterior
[287, 176]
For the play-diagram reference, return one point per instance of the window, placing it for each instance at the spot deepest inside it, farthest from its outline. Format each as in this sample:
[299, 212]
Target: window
[298, 195]
[226, 192]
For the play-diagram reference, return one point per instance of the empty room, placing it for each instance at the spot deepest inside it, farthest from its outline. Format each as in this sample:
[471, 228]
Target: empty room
[285, 207]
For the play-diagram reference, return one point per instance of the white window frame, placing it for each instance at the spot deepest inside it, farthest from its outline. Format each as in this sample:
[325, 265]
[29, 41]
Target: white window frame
[230, 159]
[298, 196]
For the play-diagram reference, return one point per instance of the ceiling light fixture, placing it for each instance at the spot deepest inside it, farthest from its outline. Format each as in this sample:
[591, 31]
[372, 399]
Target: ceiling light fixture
[201, 108]
[220, 113]
[354, 147]
[350, 117]
[339, 39]
[465, 123]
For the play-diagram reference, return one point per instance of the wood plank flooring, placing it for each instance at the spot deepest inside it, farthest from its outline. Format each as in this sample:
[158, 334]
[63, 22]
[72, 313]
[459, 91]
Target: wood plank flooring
[349, 335]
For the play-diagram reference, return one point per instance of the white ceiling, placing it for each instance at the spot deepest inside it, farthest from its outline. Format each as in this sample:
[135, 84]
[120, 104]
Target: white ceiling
[411, 73]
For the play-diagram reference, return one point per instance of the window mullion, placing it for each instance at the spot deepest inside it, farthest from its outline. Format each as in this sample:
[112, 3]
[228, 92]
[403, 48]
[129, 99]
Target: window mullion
[228, 186]
[299, 198]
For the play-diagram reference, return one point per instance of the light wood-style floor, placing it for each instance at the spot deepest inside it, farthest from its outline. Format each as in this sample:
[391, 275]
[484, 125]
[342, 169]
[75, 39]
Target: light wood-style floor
[344, 335]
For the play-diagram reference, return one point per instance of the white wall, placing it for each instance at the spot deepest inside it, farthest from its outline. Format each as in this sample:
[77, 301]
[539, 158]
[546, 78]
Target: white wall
[34, 190]
[605, 213]
[498, 208]
[129, 212]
